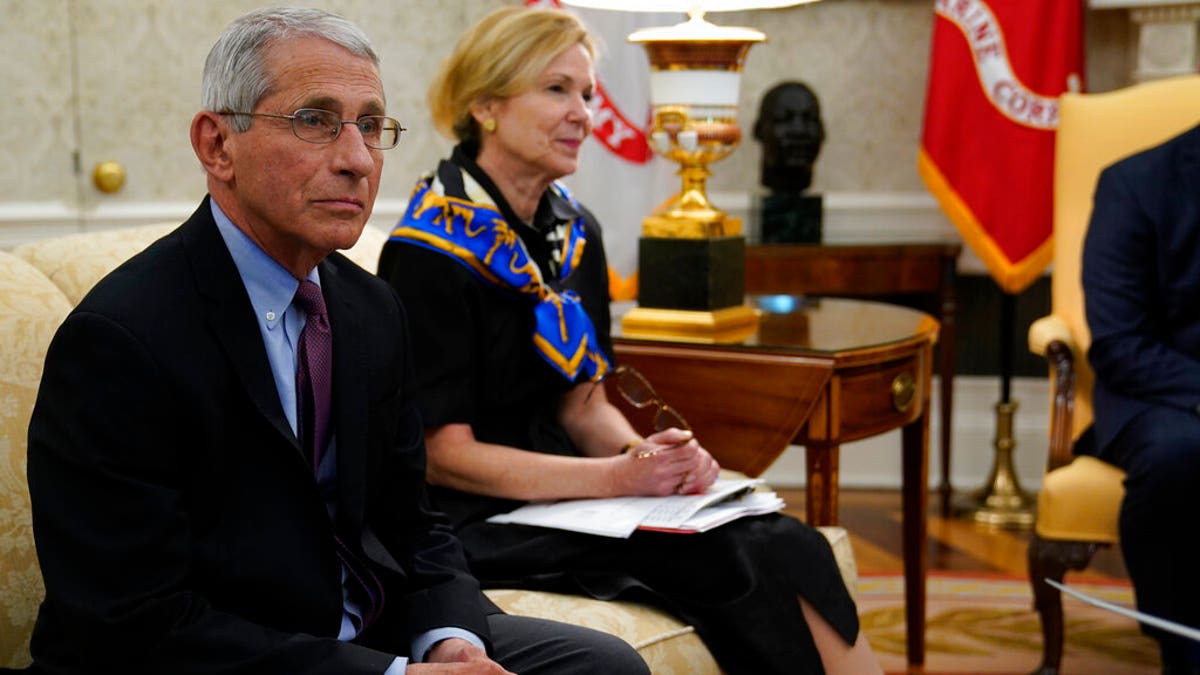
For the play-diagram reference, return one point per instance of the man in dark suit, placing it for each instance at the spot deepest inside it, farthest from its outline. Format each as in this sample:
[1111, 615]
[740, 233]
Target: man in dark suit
[1141, 283]
[201, 502]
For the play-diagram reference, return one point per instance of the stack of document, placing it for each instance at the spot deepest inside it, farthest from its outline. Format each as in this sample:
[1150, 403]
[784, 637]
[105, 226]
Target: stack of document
[619, 517]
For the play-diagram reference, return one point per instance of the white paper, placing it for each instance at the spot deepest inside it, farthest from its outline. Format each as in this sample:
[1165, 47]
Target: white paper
[753, 504]
[620, 516]
[617, 517]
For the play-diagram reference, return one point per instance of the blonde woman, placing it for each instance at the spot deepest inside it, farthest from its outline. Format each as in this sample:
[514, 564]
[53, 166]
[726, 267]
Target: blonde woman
[504, 277]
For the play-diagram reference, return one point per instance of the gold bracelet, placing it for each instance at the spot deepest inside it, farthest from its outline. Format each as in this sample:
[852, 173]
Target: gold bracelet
[630, 445]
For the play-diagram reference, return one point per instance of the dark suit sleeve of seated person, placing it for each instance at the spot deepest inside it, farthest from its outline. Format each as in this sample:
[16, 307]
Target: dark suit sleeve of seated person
[178, 526]
[1141, 280]
[1140, 283]
[411, 531]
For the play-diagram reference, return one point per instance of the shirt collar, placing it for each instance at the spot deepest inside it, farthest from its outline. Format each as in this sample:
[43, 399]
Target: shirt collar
[270, 286]
[560, 209]
[552, 209]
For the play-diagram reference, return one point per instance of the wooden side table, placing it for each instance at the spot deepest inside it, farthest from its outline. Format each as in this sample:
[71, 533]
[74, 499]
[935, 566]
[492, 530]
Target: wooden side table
[819, 372]
[905, 272]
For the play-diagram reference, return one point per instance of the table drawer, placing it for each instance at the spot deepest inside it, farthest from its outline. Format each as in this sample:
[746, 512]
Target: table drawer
[873, 399]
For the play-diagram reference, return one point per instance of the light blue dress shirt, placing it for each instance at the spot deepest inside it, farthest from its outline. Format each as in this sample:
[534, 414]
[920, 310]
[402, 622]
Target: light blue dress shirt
[271, 289]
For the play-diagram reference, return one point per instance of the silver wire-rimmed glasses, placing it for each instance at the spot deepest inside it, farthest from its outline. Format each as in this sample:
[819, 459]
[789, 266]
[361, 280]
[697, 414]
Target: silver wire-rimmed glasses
[323, 126]
[635, 388]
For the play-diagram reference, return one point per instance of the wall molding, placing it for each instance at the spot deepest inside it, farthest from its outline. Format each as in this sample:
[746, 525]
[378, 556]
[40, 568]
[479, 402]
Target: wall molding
[21, 222]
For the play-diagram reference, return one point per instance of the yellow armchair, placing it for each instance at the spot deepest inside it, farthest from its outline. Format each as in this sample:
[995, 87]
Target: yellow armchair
[1080, 498]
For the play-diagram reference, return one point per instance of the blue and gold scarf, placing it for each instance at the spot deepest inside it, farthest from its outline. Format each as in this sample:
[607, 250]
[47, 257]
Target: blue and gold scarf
[478, 236]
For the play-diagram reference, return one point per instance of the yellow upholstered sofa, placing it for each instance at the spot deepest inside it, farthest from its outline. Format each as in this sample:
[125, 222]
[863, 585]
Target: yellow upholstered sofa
[39, 283]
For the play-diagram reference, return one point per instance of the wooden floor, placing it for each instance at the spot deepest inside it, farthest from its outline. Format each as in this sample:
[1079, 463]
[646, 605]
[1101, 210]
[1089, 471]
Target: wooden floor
[872, 517]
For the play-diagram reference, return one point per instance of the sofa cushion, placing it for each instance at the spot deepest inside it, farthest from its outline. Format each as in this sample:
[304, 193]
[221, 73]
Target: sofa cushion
[366, 251]
[1081, 501]
[839, 541]
[31, 308]
[668, 646]
[75, 262]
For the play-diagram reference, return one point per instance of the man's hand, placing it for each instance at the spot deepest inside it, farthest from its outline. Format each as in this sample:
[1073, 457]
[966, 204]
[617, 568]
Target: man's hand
[456, 657]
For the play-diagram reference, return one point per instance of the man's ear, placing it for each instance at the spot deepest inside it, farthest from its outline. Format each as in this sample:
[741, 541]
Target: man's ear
[210, 137]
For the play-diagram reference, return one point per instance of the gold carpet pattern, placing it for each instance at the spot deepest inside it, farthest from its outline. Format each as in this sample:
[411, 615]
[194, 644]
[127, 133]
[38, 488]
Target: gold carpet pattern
[987, 625]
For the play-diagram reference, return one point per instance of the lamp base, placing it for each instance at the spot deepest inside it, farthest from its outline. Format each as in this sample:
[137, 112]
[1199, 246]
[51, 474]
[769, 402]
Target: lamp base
[1002, 502]
[730, 324]
[691, 290]
[691, 274]
[691, 226]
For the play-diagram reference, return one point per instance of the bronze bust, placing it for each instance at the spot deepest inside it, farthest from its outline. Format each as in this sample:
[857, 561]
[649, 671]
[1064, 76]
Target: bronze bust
[791, 132]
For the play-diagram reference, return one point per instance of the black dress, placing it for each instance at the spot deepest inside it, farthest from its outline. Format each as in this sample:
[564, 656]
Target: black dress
[737, 584]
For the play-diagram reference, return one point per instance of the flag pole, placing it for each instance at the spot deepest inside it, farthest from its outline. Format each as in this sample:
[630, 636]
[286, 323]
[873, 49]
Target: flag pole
[1001, 502]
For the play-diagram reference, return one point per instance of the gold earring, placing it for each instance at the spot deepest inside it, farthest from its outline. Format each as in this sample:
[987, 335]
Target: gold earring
[489, 125]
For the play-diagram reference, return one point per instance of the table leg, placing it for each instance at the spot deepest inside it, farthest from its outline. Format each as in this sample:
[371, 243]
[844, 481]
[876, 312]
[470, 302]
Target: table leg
[821, 484]
[946, 338]
[915, 497]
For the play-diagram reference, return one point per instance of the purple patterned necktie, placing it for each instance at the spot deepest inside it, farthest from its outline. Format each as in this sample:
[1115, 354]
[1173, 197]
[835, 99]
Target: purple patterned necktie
[314, 378]
[314, 393]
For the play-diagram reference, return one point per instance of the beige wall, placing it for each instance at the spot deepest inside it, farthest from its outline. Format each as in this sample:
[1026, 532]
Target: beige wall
[137, 67]
[85, 81]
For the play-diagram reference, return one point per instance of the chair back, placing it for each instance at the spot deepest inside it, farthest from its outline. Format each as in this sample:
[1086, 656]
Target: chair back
[1094, 131]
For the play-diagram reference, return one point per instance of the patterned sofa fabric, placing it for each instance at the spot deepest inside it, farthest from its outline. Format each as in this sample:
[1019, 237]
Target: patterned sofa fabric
[669, 646]
[75, 262]
[31, 308]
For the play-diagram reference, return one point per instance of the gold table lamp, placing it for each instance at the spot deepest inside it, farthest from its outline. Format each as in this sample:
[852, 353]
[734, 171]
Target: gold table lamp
[691, 254]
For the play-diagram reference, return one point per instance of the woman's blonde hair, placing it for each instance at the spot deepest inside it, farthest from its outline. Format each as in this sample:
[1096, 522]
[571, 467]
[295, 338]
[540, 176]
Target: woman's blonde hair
[500, 56]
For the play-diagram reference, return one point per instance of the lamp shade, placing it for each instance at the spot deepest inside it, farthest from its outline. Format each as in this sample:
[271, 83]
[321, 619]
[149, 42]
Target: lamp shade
[687, 6]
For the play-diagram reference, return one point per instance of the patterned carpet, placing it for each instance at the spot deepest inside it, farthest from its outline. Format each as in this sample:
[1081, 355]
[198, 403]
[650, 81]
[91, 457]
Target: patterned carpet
[986, 625]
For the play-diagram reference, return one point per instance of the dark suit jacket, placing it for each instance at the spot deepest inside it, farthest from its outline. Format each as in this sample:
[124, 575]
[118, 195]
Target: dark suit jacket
[177, 522]
[1141, 283]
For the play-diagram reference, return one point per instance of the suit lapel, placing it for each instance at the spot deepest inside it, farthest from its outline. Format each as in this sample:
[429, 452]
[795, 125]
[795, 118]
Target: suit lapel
[351, 368]
[349, 390]
[231, 317]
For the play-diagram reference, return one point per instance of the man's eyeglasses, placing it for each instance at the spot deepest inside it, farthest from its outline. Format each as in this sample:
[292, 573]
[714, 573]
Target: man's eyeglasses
[323, 126]
[636, 389]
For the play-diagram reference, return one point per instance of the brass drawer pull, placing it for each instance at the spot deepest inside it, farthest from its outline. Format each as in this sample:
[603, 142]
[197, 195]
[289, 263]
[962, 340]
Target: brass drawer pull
[904, 389]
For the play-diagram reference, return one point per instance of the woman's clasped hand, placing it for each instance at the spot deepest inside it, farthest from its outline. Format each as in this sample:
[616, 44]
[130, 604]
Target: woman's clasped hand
[664, 463]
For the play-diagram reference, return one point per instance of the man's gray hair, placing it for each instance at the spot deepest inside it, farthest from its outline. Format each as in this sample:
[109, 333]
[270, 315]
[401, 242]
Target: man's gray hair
[235, 72]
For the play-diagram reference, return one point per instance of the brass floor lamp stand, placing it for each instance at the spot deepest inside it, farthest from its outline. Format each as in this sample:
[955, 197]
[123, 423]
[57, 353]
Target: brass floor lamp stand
[1001, 502]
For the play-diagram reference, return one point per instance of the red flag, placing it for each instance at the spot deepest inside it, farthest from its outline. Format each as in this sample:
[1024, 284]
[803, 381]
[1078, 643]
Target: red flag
[996, 70]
